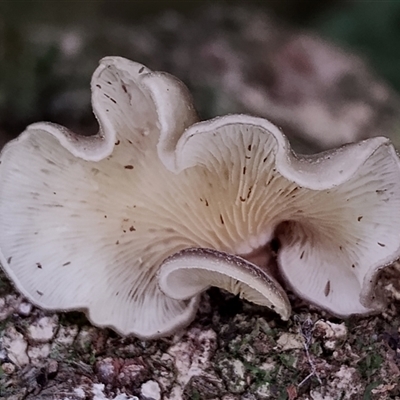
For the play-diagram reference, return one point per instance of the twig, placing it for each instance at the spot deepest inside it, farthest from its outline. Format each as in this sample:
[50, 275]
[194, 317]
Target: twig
[306, 331]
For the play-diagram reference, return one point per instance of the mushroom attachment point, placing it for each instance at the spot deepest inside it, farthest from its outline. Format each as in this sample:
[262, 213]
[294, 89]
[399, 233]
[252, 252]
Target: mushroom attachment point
[132, 224]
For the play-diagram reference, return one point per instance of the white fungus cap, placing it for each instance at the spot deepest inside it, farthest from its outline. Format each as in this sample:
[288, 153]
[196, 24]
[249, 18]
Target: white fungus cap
[104, 224]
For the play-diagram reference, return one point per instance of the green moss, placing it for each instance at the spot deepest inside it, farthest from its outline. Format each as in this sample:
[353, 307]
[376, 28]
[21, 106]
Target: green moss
[368, 390]
[369, 364]
[195, 395]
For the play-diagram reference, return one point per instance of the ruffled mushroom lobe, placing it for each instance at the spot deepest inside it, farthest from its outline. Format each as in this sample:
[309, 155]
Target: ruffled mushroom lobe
[335, 214]
[81, 234]
[192, 271]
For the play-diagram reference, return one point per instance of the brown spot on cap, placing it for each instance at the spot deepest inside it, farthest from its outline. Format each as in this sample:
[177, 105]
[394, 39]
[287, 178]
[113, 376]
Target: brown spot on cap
[109, 97]
[128, 167]
[327, 288]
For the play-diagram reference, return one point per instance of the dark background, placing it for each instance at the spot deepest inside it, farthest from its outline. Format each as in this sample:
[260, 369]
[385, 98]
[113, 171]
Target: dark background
[39, 81]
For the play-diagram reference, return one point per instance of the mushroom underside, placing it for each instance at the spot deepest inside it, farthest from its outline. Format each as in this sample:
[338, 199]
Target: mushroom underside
[133, 214]
[220, 202]
[187, 273]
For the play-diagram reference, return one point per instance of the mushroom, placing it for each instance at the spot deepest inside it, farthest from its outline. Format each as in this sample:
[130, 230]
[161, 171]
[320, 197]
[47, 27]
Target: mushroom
[132, 224]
